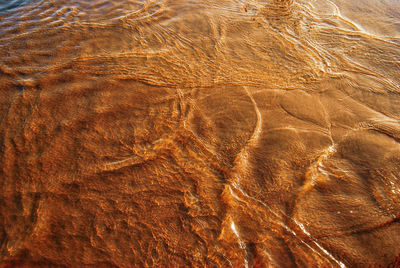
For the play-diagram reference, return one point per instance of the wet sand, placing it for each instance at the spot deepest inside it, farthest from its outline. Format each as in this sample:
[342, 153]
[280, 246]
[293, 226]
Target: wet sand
[176, 133]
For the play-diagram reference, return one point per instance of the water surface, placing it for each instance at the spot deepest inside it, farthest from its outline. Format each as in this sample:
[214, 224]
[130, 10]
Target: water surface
[236, 133]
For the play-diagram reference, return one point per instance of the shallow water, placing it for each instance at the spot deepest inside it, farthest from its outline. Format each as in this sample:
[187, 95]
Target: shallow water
[236, 133]
[7, 5]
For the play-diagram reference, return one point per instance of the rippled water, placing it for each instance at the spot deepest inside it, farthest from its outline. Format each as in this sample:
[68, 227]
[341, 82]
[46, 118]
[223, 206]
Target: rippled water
[7, 5]
[240, 133]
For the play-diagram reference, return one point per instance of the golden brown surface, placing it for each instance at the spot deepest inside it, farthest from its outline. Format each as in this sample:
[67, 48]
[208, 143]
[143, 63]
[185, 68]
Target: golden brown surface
[200, 133]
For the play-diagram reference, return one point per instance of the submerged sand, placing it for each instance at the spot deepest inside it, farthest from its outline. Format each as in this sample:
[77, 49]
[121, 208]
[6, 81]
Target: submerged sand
[174, 133]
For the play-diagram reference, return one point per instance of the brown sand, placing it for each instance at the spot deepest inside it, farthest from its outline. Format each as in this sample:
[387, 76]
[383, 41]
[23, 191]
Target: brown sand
[208, 133]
